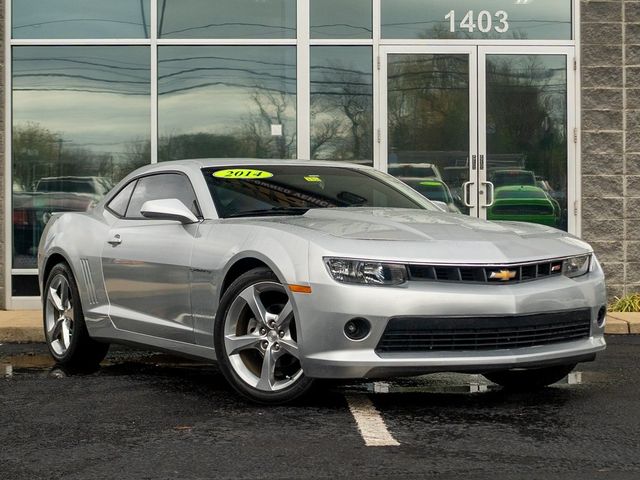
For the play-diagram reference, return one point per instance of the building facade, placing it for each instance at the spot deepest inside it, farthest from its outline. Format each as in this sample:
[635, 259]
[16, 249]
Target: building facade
[522, 110]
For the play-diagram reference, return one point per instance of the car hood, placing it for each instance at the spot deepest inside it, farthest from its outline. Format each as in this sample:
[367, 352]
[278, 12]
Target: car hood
[449, 236]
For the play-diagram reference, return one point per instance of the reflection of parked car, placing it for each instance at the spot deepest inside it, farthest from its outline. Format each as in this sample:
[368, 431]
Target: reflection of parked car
[97, 186]
[436, 190]
[502, 178]
[405, 171]
[524, 203]
[31, 210]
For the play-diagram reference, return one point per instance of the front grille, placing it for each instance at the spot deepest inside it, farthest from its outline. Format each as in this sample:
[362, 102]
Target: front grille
[430, 334]
[495, 274]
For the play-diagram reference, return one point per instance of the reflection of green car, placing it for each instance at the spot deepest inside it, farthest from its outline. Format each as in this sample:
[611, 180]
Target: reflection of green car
[524, 203]
[434, 189]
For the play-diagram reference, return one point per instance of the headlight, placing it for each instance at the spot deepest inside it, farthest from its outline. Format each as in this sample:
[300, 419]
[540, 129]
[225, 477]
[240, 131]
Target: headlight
[576, 266]
[366, 272]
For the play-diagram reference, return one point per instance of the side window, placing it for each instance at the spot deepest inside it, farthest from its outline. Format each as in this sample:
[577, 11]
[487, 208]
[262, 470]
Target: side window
[119, 203]
[157, 187]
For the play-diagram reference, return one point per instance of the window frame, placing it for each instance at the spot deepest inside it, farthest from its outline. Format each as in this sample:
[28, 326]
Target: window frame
[135, 179]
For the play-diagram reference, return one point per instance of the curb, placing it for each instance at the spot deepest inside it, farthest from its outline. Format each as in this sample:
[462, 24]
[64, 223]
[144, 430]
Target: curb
[21, 326]
[25, 326]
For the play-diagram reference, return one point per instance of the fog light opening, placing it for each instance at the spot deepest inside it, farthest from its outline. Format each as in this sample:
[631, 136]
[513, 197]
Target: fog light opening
[357, 329]
[602, 316]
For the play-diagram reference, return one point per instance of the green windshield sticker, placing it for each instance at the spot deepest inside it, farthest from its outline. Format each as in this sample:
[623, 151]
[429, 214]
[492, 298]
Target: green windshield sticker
[242, 174]
[313, 178]
[430, 184]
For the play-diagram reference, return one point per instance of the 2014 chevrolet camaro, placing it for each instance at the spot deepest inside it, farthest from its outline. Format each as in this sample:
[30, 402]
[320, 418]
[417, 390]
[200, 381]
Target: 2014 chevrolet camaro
[290, 271]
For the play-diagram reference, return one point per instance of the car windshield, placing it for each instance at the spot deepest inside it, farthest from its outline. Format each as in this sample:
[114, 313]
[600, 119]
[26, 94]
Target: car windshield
[293, 190]
[513, 177]
[71, 186]
[528, 193]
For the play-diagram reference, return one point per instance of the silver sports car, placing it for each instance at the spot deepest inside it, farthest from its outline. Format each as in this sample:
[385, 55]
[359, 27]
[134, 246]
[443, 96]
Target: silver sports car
[289, 271]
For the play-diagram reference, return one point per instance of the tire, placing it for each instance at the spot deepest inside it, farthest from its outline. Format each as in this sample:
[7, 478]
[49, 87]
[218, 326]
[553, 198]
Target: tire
[64, 326]
[255, 339]
[531, 379]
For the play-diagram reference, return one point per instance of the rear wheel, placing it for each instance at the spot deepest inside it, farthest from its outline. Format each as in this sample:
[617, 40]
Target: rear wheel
[529, 379]
[256, 340]
[64, 326]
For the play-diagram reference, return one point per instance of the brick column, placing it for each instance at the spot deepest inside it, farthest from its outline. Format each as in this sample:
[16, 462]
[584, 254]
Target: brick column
[3, 155]
[631, 19]
[604, 143]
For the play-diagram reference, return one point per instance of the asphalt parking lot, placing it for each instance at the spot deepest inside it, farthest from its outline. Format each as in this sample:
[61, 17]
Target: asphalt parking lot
[150, 416]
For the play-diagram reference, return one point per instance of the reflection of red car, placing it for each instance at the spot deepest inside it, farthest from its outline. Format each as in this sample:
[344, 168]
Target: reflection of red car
[32, 210]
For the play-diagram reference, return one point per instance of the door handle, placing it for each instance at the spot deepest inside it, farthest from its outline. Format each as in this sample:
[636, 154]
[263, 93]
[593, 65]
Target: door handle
[115, 241]
[465, 194]
[491, 189]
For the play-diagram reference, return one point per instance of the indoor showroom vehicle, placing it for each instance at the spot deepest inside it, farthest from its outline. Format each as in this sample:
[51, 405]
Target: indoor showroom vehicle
[290, 271]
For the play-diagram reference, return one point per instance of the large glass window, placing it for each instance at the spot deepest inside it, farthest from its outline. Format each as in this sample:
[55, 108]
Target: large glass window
[226, 19]
[227, 102]
[340, 19]
[428, 118]
[490, 19]
[526, 127]
[342, 103]
[86, 19]
[80, 123]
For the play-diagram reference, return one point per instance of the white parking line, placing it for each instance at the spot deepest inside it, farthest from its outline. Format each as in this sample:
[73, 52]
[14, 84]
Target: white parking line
[371, 425]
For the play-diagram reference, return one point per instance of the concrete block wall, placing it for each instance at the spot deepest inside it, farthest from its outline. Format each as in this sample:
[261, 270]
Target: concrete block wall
[611, 138]
[2, 155]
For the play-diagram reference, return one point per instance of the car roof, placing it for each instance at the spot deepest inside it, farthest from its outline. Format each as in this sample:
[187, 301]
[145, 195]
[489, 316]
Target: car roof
[227, 162]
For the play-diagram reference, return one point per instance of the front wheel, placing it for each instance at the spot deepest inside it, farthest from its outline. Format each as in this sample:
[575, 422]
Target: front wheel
[256, 340]
[529, 379]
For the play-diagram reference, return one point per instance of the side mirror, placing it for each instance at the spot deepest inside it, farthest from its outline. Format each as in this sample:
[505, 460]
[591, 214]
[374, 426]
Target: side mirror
[441, 205]
[168, 209]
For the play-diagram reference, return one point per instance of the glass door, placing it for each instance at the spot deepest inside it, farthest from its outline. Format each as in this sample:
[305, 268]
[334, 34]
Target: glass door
[429, 127]
[488, 131]
[526, 135]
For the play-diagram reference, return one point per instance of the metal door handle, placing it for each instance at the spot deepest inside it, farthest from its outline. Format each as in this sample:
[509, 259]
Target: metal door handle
[465, 193]
[115, 241]
[490, 188]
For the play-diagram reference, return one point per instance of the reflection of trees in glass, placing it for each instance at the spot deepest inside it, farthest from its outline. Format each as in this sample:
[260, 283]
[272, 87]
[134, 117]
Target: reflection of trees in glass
[251, 139]
[341, 113]
[39, 153]
[428, 103]
[526, 112]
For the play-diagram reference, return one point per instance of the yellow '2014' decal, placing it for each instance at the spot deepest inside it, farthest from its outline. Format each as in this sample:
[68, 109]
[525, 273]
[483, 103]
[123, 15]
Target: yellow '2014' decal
[242, 174]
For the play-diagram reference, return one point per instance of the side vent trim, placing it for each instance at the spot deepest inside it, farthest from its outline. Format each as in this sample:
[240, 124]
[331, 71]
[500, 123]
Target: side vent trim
[91, 289]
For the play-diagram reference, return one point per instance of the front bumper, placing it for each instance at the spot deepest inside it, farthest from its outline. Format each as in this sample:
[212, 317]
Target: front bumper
[328, 353]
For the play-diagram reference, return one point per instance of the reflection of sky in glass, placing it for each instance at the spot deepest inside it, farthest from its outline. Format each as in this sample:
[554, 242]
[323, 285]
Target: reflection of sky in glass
[93, 97]
[341, 103]
[86, 19]
[530, 20]
[226, 19]
[227, 91]
[340, 19]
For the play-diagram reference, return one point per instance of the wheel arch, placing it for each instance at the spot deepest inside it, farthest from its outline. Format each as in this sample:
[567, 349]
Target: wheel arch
[54, 259]
[242, 265]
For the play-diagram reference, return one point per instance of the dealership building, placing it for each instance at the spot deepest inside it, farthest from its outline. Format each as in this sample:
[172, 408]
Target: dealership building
[503, 109]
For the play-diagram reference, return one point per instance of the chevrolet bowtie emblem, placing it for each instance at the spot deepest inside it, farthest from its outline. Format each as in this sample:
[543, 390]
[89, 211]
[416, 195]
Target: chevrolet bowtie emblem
[504, 275]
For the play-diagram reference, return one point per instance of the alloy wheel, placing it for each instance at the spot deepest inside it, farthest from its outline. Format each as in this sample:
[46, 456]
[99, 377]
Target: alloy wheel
[59, 315]
[260, 337]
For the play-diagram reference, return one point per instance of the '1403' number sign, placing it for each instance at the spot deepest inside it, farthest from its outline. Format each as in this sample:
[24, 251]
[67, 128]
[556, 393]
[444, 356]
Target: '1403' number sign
[484, 22]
